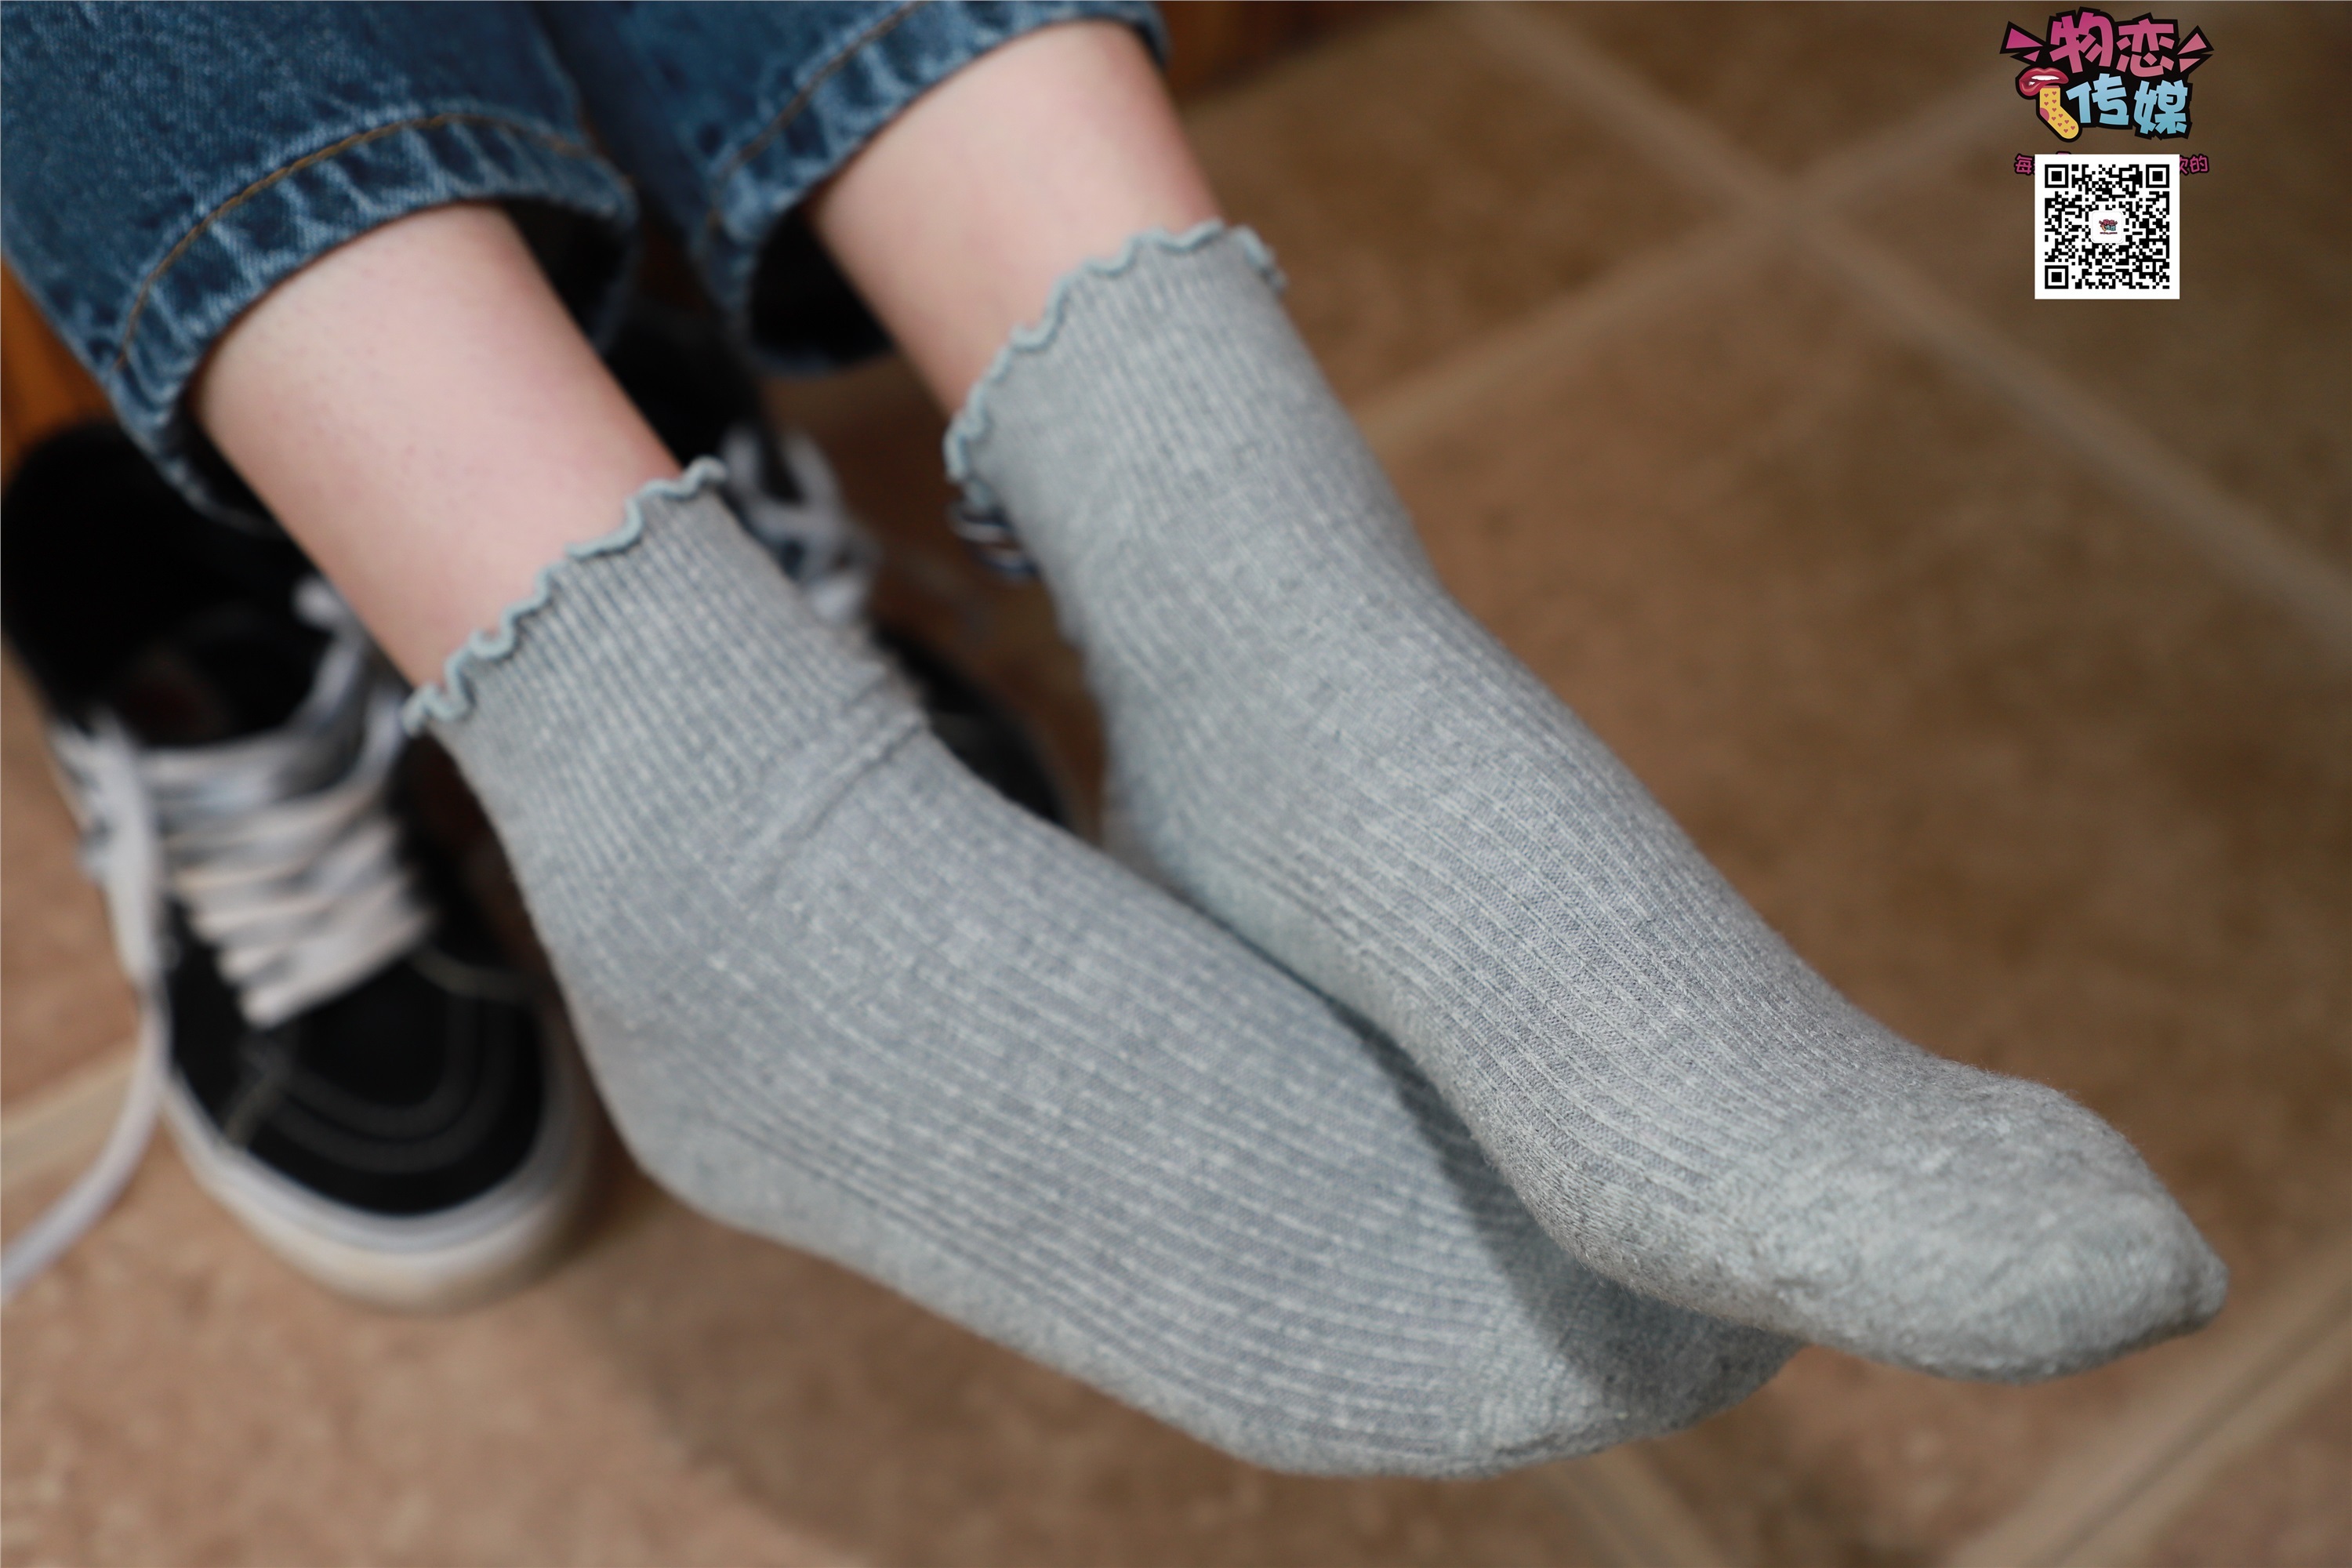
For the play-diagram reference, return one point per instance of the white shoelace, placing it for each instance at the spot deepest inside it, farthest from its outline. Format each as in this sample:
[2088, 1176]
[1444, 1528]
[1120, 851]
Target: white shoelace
[824, 550]
[283, 852]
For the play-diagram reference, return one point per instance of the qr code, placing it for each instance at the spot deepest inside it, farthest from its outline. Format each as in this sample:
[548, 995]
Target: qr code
[2106, 226]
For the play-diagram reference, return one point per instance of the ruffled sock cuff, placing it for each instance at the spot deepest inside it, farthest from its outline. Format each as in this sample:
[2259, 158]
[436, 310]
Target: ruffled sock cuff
[451, 698]
[980, 517]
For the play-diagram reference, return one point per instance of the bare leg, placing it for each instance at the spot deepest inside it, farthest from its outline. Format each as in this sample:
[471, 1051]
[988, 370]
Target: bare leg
[424, 416]
[957, 219]
[421, 413]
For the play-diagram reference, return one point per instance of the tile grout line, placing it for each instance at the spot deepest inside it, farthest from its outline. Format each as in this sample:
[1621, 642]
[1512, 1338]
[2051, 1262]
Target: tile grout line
[1667, 274]
[2257, 1413]
[66, 1121]
[2231, 535]
[1952, 125]
[1551, 334]
[2105, 1503]
[1631, 1514]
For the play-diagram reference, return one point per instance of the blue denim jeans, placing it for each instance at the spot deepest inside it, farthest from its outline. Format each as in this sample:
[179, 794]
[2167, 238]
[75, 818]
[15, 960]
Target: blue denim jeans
[167, 164]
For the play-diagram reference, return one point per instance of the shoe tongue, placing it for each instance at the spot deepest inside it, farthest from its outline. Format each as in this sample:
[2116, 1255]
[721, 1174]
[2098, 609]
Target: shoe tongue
[226, 675]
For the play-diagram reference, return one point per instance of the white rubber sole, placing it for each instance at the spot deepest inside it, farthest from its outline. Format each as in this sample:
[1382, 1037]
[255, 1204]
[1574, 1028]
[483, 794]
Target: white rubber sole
[425, 1263]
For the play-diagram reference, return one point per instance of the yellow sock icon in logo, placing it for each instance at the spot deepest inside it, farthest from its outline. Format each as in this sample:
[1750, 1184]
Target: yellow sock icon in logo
[2053, 109]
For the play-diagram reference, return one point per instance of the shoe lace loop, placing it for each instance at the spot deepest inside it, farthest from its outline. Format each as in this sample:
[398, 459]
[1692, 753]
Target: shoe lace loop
[282, 847]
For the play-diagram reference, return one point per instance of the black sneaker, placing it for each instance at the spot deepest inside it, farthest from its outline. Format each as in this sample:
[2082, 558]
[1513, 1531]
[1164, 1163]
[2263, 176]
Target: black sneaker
[698, 398]
[344, 1061]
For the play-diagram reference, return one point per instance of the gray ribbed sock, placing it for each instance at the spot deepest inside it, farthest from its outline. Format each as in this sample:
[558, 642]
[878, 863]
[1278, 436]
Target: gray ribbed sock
[1318, 746]
[838, 992]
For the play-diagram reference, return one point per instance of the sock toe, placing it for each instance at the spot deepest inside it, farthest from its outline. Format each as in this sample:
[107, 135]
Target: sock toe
[2081, 1254]
[1996, 1231]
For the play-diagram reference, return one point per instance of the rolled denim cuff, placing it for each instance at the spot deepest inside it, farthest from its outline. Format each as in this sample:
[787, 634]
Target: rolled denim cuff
[289, 217]
[838, 99]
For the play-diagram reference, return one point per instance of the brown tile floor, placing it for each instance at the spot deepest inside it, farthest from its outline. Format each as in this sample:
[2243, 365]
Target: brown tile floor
[1786, 82]
[2013, 765]
[1418, 196]
[2281, 1504]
